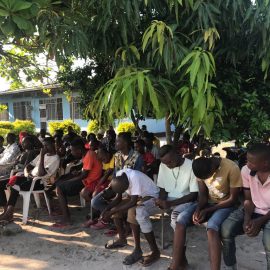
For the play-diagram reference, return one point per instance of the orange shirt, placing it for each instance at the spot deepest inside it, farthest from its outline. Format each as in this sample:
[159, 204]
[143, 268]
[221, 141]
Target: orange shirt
[94, 166]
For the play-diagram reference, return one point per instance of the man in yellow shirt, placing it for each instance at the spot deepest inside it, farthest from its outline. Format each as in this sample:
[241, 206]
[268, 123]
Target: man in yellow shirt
[219, 182]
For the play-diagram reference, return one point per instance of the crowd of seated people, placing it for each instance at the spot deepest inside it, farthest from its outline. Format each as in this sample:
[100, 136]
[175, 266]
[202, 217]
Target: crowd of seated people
[126, 180]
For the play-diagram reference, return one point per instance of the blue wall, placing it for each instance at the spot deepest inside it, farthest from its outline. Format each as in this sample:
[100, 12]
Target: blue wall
[35, 111]
[152, 124]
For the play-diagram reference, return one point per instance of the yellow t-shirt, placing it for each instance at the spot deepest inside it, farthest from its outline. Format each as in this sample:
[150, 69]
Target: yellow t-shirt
[227, 176]
[156, 142]
[109, 165]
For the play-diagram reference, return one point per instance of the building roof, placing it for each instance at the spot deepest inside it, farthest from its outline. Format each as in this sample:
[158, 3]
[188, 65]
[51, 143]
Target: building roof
[29, 90]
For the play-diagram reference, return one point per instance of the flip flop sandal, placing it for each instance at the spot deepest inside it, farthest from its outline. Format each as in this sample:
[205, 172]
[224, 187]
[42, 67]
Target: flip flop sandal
[110, 233]
[89, 223]
[100, 225]
[150, 262]
[114, 244]
[132, 258]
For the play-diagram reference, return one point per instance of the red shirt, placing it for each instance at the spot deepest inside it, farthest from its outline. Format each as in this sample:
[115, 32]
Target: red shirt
[148, 158]
[94, 166]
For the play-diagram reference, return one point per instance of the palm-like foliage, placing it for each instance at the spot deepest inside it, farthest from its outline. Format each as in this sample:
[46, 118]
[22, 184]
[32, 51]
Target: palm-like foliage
[146, 41]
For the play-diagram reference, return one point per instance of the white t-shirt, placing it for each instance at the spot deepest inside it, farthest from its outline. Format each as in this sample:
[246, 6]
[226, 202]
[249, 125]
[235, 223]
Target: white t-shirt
[139, 184]
[179, 181]
[9, 154]
[155, 152]
[51, 164]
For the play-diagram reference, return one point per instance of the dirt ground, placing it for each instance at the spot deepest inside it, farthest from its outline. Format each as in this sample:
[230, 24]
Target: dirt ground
[39, 246]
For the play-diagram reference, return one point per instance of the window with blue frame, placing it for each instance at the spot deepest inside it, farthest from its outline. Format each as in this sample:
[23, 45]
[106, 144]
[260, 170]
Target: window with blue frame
[54, 108]
[22, 110]
[4, 115]
[75, 109]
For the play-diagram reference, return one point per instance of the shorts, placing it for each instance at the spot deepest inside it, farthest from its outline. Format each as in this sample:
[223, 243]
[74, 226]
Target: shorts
[217, 218]
[140, 214]
[182, 214]
[91, 187]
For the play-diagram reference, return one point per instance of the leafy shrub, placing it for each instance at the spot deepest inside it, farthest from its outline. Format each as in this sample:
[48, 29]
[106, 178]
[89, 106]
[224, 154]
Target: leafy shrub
[16, 127]
[4, 132]
[53, 126]
[93, 127]
[126, 127]
[6, 125]
[24, 125]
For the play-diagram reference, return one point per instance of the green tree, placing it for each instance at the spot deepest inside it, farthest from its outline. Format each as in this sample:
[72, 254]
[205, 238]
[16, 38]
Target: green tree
[173, 58]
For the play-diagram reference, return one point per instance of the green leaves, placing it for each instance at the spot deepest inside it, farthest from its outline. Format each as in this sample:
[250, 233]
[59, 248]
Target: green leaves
[128, 53]
[265, 67]
[18, 14]
[4, 13]
[158, 32]
[200, 66]
[199, 105]
[210, 36]
[130, 89]
[15, 5]
[21, 22]
[198, 110]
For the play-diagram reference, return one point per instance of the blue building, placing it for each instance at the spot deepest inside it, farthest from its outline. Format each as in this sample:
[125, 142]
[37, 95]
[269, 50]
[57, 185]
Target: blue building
[44, 106]
[41, 106]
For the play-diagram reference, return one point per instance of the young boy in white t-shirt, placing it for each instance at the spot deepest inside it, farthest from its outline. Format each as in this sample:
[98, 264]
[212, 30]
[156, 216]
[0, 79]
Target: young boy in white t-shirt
[139, 205]
[178, 191]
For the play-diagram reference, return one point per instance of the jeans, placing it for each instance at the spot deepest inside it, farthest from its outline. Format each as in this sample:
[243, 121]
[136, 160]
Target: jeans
[232, 227]
[182, 214]
[99, 203]
[217, 218]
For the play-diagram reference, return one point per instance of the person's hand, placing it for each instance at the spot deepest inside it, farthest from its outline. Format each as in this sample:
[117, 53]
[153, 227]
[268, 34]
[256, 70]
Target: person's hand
[255, 227]
[195, 217]
[199, 216]
[105, 215]
[247, 224]
[162, 204]
[95, 191]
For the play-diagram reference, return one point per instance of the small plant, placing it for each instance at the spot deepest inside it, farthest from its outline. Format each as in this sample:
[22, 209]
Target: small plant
[4, 132]
[24, 125]
[93, 126]
[16, 127]
[126, 127]
[6, 125]
[53, 126]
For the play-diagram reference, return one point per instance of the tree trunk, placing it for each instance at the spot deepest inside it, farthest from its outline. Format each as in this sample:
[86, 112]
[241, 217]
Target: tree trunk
[177, 133]
[168, 129]
[135, 122]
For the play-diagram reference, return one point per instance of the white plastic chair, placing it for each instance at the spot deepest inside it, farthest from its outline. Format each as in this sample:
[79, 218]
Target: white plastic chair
[27, 197]
[82, 201]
